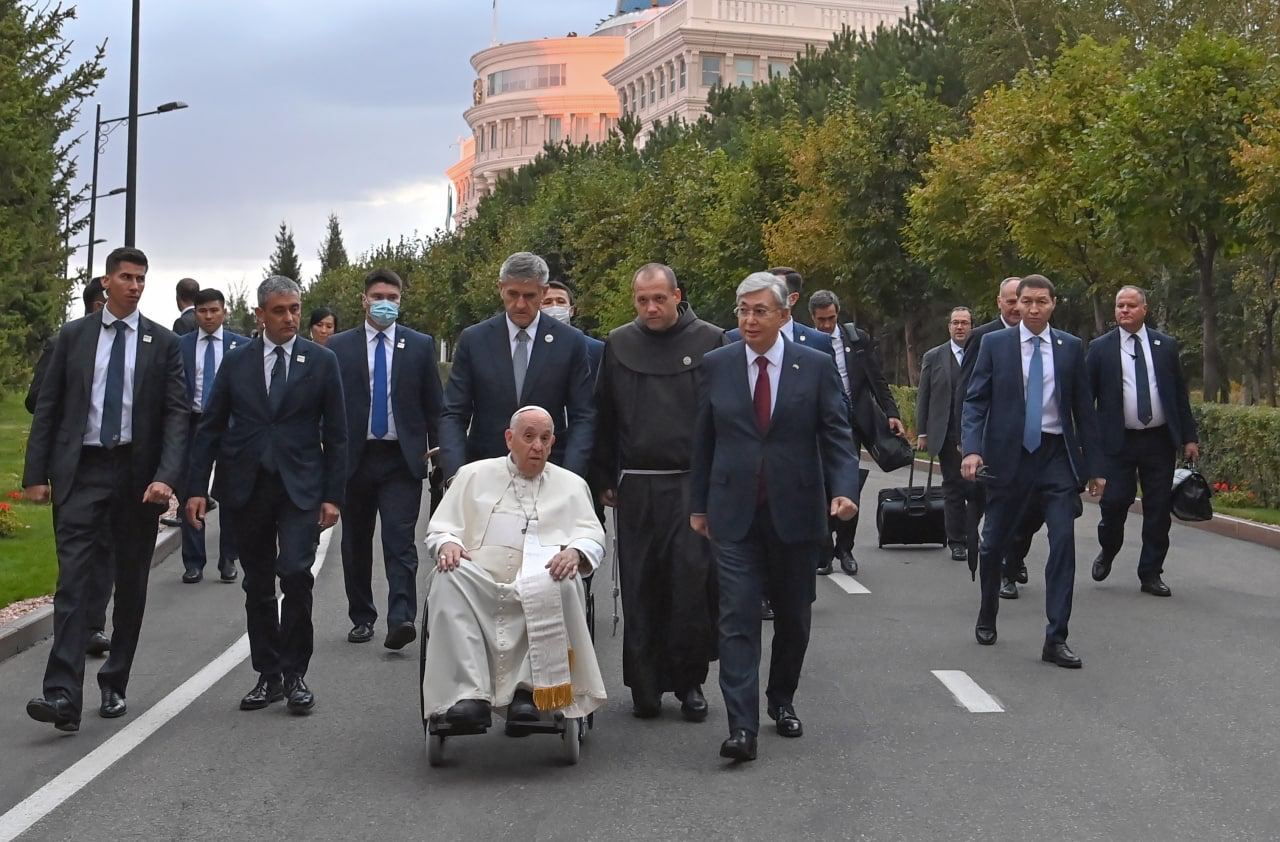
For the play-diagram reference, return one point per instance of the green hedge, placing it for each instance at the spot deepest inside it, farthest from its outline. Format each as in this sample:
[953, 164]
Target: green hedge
[1239, 445]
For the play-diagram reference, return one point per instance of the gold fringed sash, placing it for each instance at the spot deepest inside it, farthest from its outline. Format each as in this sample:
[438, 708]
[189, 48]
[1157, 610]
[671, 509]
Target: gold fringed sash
[550, 657]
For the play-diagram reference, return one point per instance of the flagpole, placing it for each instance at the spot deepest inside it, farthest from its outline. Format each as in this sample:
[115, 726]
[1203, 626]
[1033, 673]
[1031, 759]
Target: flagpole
[493, 30]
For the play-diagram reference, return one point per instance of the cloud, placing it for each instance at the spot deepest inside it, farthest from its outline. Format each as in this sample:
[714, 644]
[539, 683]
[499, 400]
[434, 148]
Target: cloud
[422, 193]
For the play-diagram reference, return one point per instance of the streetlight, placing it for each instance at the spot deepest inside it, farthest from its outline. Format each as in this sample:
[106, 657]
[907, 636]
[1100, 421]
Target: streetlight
[99, 144]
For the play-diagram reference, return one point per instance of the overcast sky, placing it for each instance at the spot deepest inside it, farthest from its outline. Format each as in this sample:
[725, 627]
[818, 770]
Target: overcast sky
[297, 108]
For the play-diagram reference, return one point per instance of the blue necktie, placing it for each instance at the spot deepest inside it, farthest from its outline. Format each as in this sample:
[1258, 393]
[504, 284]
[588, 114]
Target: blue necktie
[1142, 381]
[378, 418]
[113, 396]
[206, 378]
[1035, 399]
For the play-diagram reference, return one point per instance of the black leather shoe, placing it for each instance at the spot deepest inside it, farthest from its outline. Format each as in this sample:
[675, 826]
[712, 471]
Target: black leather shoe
[190, 577]
[522, 708]
[766, 610]
[401, 636]
[227, 570]
[1101, 568]
[1156, 587]
[113, 705]
[301, 699]
[265, 692]
[788, 723]
[740, 747]
[475, 713]
[959, 552]
[1022, 577]
[361, 633]
[1009, 590]
[826, 569]
[645, 708]
[1061, 654]
[99, 644]
[693, 705]
[986, 635]
[57, 711]
[848, 563]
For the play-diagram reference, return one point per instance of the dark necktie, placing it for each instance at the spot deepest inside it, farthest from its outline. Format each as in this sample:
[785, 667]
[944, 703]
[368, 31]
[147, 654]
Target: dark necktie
[760, 399]
[210, 369]
[1034, 418]
[113, 395]
[278, 376]
[378, 417]
[520, 361]
[1143, 383]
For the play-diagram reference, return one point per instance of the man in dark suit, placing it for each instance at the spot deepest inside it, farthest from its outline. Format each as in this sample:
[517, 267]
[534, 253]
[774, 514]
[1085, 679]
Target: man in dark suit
[277, 416]
[185, 294]
[1144, 413]
[1029, 420]
[517, 358]
[862, 373]
[202, 353]
[558, 303]
[107, 435]
[393, 398]
[936, 427]
[772, 458]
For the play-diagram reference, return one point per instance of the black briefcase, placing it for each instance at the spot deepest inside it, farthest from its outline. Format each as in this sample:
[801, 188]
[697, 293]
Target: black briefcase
[912, 515]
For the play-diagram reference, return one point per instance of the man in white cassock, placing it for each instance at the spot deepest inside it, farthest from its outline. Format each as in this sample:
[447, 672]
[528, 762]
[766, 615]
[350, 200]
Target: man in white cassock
[506, 612]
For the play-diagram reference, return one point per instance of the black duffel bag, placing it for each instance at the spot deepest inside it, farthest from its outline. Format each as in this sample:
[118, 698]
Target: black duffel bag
[912, 515]
[1192, 496]
[871, 427]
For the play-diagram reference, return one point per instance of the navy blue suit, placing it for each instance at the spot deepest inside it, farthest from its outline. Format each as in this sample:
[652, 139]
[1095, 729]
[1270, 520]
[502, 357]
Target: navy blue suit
[1132, 455]
[480, 397]
[768, 543]
[277, 466]
[194, 555]
[1053, 475]
[595, 353]
[384, 477]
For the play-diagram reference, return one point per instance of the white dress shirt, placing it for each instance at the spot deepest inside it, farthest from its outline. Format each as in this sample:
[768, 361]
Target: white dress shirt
[1129, 380]
[1050, 420]
[837, 342]
[957, 352]
[789, 330]
[269, 358]
[1006, 324]
[774, 356]
[371, 334]
[532, 330]
[198, 402]
[98, 392]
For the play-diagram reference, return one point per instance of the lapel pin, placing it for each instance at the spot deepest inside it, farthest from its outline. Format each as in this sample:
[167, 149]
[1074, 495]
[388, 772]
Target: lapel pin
[1059, 341]
[233, 346]
[301, 358]
[146, 337]
[548, 338]
[796, 366]
[1155, 341]
[803, 338]
[400, 344]
[687, 361]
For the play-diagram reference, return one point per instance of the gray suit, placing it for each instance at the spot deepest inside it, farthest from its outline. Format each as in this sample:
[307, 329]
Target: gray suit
[935, 418]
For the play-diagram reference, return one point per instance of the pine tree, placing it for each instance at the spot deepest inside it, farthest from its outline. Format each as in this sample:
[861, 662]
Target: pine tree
[332, 254]
[284, 260]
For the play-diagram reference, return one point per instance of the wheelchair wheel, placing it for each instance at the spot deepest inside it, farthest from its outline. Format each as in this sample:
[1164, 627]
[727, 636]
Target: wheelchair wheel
[435, 749]
[572, 740]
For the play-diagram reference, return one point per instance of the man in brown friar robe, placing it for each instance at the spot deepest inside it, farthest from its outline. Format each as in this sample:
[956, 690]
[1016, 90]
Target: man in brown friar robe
[646, 398]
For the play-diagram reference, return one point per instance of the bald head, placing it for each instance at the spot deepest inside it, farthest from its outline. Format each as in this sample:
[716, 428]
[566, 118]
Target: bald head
[1007, 301]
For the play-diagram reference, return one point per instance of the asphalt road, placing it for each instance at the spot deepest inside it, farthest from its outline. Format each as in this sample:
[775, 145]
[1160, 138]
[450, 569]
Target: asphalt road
[1171, 730]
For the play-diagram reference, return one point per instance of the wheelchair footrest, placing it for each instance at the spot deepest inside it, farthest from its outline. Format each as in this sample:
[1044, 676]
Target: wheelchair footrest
[439, 726]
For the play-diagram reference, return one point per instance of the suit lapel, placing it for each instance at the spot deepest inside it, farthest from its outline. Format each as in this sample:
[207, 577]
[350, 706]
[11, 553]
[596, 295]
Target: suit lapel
[299, 367]
[745, 386]
[499, 342]
[258, 349]
[1062, 379]
[1164, 379]
[189, 364]
[397, 357]
[788, 377]
[145, 353]
[543, 347]
[87, 354]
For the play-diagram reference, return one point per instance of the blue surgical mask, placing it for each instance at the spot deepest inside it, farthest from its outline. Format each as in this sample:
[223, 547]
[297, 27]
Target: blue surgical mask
[384, 312]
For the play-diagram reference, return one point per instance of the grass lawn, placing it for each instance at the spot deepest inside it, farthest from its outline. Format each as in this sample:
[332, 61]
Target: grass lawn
[1271, 516]
[28, 566]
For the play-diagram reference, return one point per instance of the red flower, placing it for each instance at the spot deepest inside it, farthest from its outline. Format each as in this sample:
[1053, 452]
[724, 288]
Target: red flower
[15, 495]
[4, 507]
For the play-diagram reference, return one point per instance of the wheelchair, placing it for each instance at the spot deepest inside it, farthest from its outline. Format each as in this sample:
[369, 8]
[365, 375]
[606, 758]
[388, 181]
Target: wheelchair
[571, 730]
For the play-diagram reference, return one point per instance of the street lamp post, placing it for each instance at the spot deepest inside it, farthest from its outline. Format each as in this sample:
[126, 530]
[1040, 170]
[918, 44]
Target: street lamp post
[131, 167]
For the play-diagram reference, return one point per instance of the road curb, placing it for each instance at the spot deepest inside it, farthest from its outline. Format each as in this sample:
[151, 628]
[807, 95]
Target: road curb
[1226, 526]
[30, 629]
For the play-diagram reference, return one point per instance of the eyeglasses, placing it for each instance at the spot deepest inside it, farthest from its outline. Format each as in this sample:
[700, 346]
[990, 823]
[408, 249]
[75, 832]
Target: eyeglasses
[757, 312]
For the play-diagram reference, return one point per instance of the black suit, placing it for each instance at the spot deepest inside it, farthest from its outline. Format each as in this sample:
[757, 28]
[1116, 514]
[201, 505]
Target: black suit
[98, 514]
[865, 369]
[1133, 453]
[480, 397]
[279, 459]
[384, 476]
[186, 322]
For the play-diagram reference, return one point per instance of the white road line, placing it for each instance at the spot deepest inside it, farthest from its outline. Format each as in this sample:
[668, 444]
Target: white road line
[50, 796]
[967, 692]
[848, 584]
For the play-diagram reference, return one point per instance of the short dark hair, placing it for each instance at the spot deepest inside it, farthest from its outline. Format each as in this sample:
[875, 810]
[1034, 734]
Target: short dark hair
[795, 281]
[562, 286]
[208, 295]
[93, 292]
[319, 314]
[125, 254]
[1038, 282]
[383, 276]
[186, 289]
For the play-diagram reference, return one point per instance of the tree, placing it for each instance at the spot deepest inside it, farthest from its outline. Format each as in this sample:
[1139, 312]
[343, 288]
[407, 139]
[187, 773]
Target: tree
[284, 260]
[1258, 161]
[40, 98]
[332, 254]
[240, 316]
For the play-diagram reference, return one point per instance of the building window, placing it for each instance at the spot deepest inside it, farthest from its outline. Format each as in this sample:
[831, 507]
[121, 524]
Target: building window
[553, 130]
[530, 132]
[643, 100]
[671, 78]
[480, 139]
[531, 78]
[778, 67]
[662, 83]
[581, 129]
[653, 90]
[744, 69]
[631, 97]
[493, 135]
[509, 134]
[680, 64]
[711, 70]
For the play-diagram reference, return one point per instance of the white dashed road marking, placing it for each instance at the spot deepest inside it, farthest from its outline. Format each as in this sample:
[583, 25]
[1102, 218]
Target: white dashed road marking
[848, 584]
[967, 692]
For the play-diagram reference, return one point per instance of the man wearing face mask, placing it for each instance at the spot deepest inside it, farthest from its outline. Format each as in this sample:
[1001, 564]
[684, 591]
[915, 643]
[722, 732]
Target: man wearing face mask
[393, 402]
[557, 302]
